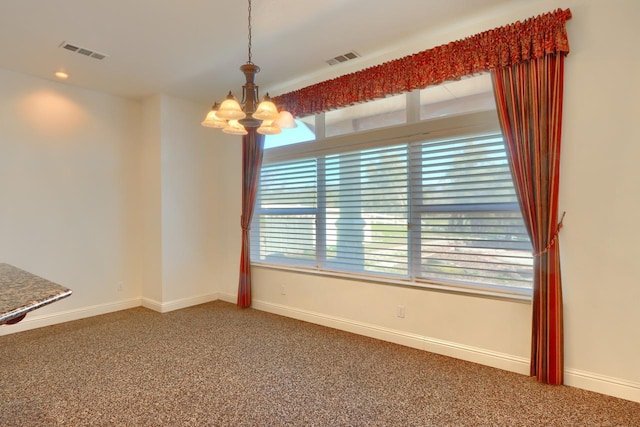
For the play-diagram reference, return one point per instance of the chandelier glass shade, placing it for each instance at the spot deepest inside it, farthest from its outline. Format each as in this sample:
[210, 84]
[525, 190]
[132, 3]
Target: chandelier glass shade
[230, 109]
[234, 128]
[212, 120]
[269, 127]
[234, 117]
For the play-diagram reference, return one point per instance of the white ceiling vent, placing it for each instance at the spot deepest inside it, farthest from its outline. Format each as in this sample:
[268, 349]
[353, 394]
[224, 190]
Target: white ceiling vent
[343, 58]
[83, 51]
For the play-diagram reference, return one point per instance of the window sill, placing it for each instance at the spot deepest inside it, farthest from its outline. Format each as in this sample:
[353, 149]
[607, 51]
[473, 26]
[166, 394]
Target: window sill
[506, 294]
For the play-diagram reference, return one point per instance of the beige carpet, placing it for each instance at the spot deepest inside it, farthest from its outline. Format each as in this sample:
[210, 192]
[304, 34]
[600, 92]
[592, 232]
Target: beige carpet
[217, 365]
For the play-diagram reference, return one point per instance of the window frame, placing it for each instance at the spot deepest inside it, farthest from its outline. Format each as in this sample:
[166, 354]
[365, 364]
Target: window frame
[459, 126]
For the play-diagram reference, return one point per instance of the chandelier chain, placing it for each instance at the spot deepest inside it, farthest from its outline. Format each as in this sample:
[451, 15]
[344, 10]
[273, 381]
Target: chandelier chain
[249, 28]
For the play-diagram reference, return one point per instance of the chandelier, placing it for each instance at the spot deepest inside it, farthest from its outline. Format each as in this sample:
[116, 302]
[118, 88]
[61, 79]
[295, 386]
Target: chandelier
[234, 117]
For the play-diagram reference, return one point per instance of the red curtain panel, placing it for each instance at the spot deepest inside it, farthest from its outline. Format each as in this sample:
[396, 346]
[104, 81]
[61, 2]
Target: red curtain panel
[529, 103]
[252, 151]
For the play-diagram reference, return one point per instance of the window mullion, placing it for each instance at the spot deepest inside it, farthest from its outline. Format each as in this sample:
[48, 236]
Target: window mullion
[413, 106]
[254, 233]
[320, 127]
[321, 214]
[414, 176]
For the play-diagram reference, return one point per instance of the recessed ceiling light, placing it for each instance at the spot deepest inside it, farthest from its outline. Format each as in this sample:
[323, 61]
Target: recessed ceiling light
[61, 75]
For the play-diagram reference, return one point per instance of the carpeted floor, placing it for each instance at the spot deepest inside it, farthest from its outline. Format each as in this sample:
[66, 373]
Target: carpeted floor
[217, 365]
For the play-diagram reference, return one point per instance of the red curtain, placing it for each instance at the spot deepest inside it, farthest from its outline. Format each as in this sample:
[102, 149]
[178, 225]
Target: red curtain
[526, 59]
[529, 103]
[252, 151]
[493, 49]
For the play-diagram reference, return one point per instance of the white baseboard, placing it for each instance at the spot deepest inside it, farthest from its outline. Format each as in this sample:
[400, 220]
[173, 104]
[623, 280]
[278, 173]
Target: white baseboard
[231, 298]
[33, 322]
[446, 348]
[603, 384]
[574, 378]
[506, 362]
[165, 307]
[151, 304]
[38, 321]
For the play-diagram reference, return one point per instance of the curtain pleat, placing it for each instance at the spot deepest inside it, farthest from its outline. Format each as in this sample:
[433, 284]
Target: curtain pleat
[252, 152]
[529, 103]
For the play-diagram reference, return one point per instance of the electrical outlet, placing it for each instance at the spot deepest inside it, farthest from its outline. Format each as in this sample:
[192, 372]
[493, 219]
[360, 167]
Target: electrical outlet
[400, 311]
[283, 291]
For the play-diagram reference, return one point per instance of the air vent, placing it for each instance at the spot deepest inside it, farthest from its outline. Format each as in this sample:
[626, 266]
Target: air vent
[343, 58]
[83, 51]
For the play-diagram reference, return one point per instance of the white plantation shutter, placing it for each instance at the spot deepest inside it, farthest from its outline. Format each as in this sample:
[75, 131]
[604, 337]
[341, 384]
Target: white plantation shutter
[284, 220]
[470, 226]
[433, 210]
[367, 212]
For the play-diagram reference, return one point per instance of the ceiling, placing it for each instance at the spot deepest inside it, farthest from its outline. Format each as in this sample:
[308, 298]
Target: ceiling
[192, 49]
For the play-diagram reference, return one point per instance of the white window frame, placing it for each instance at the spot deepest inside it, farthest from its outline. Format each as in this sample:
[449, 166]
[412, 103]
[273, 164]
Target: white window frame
[484, 122]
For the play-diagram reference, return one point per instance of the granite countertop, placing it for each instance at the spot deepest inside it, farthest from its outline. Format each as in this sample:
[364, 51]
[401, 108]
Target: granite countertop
[22, 292]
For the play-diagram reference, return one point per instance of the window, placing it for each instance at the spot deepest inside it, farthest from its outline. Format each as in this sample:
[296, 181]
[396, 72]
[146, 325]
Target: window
[427, 203]
[304, 132]
[369, 115]
[462, 96]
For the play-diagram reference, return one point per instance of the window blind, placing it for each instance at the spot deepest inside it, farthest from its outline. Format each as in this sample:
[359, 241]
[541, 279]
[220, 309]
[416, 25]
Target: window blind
[470, 226]
[284, 220]
[367, 212]
[441, 211]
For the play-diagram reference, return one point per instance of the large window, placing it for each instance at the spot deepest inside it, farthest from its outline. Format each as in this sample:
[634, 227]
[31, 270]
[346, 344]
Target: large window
[423, 203]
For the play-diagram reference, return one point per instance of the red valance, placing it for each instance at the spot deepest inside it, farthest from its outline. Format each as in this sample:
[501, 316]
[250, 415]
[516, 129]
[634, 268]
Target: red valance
[500, 47]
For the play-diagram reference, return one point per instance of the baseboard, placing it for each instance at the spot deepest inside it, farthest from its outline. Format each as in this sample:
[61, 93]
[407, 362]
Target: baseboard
[446, 348]
[38, 321]
[603, 384]
[165, 307]
[504, 361]
[573, 378]
[231, 298]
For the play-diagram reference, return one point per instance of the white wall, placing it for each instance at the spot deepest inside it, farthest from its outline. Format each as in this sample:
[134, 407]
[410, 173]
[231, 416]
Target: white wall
[115, 199]
[231, 236]
[182, 205]
[599, 241]
[599, 191]
[151, 200]
[97, 190]
[191, 203]
[69, 189]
